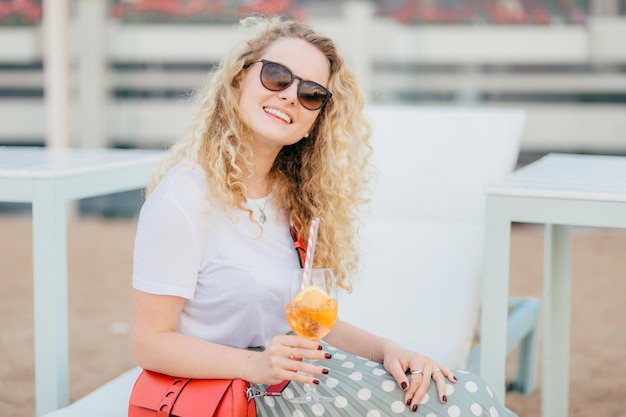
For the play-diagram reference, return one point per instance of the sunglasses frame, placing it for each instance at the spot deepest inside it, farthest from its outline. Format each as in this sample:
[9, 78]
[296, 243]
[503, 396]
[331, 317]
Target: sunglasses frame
[293, 77]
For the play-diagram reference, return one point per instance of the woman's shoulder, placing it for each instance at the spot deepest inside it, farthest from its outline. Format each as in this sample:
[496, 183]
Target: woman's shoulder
[184, 184]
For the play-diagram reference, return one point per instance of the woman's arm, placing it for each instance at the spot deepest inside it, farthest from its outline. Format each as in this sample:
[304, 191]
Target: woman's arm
[158, 346]
[396, 359]
[360, 342]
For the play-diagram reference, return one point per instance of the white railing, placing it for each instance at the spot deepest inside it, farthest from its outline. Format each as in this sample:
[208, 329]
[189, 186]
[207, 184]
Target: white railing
[369, 43]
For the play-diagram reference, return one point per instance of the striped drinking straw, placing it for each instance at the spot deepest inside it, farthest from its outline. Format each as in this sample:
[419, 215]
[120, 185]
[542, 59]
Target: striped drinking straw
[310, 250]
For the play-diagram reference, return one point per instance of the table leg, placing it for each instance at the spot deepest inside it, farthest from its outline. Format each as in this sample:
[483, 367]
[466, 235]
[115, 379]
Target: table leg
[556, 322]
[495, 298]
[50, 300]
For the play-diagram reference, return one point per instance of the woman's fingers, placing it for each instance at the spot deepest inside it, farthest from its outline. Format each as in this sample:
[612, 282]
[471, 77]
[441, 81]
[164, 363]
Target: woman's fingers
[294, 347]
[285, 357]
[420, 380]
[440, 380]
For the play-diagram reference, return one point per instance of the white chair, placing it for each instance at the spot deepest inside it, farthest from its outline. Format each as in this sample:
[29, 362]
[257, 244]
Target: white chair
[422, 239]
[423, 235]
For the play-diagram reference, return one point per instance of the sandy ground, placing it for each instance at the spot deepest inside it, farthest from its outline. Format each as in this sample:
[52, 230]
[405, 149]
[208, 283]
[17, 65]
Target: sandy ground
[100, 252]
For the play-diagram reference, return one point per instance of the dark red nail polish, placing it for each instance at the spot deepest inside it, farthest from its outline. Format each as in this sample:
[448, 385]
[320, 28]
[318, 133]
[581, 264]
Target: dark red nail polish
[403, 385]
[316, 381]
[325, 371]
[454, 378]
[319, 347]
[328, 355]
[408, 402]
[414, 409]
[444, 399]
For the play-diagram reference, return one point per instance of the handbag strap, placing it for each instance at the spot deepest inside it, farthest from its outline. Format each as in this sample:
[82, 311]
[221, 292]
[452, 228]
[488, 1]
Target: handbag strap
[275, 390]
[171, 395]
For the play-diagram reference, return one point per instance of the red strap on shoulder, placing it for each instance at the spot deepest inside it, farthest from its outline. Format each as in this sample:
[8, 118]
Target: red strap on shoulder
[299, 243]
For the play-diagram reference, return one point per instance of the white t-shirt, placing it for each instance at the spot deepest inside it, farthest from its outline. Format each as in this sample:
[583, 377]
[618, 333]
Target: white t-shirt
[235, 279]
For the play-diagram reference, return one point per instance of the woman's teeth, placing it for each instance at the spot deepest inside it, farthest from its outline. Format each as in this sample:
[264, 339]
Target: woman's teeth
[278, 114]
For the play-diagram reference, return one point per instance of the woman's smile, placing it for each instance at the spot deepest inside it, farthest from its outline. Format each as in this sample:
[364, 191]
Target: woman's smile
[279, 114]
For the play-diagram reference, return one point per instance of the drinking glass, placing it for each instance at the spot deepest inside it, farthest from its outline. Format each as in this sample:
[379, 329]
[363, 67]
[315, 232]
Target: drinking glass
[312, 313]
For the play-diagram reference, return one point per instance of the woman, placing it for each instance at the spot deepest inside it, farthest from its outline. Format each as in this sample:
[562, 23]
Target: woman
[278, 138]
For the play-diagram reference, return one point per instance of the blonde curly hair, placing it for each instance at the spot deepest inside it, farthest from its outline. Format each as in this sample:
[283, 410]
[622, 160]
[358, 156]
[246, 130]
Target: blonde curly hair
[323, 176]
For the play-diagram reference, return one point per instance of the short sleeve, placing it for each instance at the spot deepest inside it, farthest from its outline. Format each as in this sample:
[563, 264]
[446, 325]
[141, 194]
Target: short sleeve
[166, 255]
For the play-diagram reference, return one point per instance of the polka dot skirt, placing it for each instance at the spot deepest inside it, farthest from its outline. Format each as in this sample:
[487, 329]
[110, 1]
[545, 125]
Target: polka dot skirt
[363, 388]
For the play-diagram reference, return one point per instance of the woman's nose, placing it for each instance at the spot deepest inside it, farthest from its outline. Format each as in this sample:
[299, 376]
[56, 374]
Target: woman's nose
[291, 92]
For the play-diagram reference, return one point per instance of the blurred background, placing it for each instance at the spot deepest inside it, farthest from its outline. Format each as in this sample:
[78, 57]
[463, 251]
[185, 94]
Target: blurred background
[129, 66]
[120, 73]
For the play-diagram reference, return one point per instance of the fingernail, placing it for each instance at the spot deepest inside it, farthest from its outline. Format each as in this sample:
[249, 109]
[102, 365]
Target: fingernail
[454, 378]
[325, 371]
[316, 381]
[403, 385]
[319, 347]
[444, 399]
[414, 409]
[408, 402]
[328, 355]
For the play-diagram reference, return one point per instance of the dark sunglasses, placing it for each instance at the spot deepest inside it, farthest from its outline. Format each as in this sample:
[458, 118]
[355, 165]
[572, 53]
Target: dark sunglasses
[276, 77]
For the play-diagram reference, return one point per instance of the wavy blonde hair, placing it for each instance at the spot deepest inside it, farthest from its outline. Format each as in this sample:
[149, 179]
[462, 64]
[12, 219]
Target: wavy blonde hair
[322, 176]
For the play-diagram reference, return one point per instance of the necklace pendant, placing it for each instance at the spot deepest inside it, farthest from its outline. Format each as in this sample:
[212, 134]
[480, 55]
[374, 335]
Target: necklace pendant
[262, 217]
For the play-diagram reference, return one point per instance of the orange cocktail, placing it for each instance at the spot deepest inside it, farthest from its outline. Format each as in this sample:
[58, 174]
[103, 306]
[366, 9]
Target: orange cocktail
[312, 313]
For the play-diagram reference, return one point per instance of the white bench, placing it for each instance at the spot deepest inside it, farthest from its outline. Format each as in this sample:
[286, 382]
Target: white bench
[423, 236]
[422, 241]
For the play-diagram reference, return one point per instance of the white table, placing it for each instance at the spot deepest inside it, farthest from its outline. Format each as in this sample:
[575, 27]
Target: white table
[48, 179]
[559, 191]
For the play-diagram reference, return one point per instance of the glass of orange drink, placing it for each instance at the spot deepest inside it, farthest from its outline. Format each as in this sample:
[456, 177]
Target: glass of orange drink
[312, 313]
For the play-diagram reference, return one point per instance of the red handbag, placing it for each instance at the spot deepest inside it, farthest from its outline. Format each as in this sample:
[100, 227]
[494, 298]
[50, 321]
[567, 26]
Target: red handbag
[158, 395]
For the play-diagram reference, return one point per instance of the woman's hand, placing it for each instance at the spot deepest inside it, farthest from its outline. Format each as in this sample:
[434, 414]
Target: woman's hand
[414, 372]
[282, 359]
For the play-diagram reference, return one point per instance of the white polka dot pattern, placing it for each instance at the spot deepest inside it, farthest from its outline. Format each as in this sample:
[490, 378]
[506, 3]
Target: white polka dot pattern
[318, 409]
[397, 407]
[288, 393]
[364, 394]
[356, 376]
[332, 382]
[361, 387]
[454, 411]
[471, 386]
[388, 386]
[341, 402]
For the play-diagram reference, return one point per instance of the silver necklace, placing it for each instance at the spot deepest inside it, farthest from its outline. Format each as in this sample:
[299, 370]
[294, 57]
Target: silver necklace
[262, 218]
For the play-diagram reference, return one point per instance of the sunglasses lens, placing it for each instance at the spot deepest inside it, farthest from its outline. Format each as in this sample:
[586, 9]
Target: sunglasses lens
[275, 77]
[312, 95]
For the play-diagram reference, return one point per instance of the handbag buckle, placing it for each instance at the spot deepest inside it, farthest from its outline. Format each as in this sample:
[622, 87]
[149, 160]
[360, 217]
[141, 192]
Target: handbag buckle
[255, 392]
